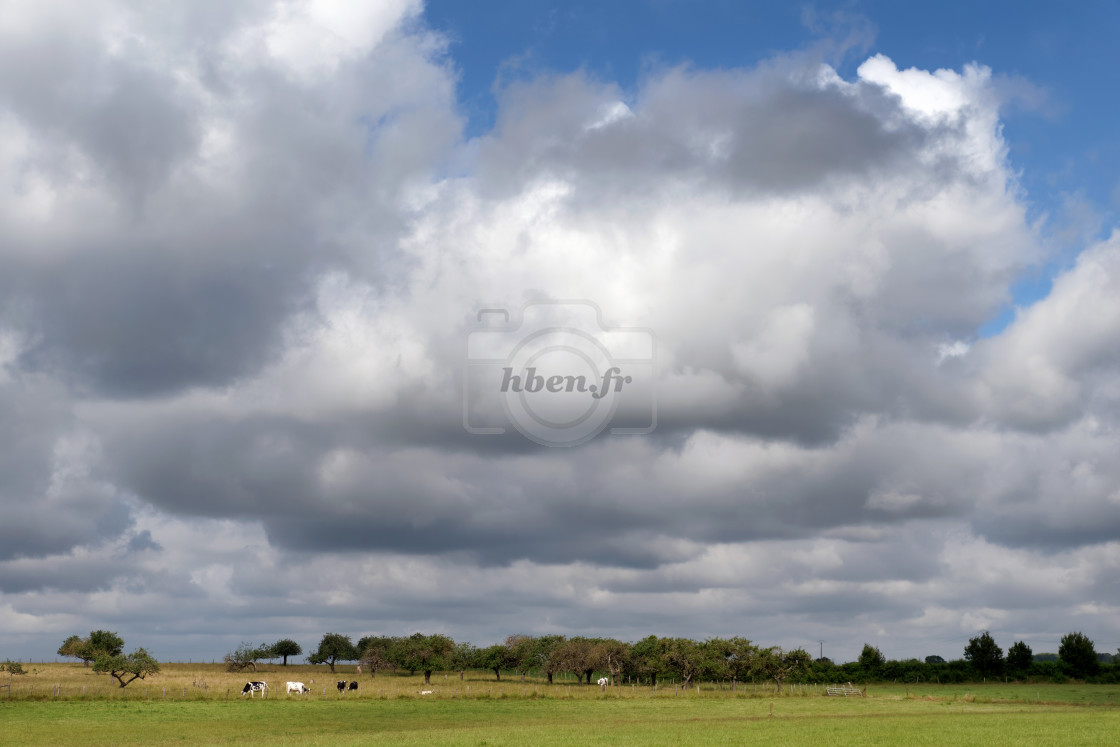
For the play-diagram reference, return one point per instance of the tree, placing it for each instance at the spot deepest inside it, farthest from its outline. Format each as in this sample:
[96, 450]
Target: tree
[985, 655]
[464, 657]
[1019, 658]
[76, 647]
[334, 647]
[137, 665]
[286, 647]
[425, 653]
[104, 642]
[778, 665]
[616, 657]
[246, 655]
[934, 659]
[647, 658]
[1077, 654]
[522, 652]
[496, 658]
[97, 643]
[683, 657]
[741, 655]
[548, 650]
[871, 660]
[582, 656]
[374, 652]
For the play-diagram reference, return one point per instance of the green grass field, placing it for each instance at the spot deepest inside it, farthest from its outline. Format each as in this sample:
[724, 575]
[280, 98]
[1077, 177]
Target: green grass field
[48, 706]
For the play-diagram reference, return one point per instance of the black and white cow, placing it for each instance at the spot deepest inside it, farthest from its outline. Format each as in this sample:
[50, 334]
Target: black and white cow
[341, 685]
[353, 686]
[255, 687]
[297, 687]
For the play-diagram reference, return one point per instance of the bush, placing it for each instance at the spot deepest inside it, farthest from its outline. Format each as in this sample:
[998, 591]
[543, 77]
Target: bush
[11, 666]
[246, 655]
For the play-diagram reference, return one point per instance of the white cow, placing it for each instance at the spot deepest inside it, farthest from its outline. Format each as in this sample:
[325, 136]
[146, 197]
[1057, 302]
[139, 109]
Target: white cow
[297, 687]
[603, 682]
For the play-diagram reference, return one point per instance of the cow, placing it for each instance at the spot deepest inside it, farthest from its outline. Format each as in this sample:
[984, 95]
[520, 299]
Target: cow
[341, 685]
[255, 687]
[426, 692]
[353, 686]
[603, 682]
[297, 687]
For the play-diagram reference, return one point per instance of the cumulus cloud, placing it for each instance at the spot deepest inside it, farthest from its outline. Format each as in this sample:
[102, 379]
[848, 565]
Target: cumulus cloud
[248, 243]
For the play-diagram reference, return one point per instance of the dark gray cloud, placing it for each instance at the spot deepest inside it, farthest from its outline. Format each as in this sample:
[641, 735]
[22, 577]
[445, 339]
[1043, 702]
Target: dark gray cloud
[769, 132]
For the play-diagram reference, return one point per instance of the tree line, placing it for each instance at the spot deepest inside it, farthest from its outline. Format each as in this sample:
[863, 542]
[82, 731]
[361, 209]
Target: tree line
[734, 660]
[686, 660]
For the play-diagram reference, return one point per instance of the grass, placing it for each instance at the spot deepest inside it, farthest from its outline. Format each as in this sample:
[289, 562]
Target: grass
[389, 708]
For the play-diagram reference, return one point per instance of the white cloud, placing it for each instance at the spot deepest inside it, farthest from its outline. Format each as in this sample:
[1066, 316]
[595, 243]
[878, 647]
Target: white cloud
[241, 329]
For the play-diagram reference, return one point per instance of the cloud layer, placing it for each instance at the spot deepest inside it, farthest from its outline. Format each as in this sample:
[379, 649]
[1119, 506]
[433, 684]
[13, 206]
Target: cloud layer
[245, 247]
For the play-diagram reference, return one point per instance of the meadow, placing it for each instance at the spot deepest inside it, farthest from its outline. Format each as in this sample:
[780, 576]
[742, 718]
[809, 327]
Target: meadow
[201, 704]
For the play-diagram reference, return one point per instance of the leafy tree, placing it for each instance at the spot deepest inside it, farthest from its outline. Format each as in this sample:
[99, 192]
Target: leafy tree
[616, 657]
[246, 655]
[934, 659]
[284, 648]
[1077, 654]
[871, 660]
[496, 658]
[1019, 658]
[105, 643]
[333, 648]
[582, 656]
[97, 643]
[985, 655]
[548, 650]
[374, 652]
[137, 665]
[647, 658]
[741, 655]
[522, 652]
[463, 658]
[76, 647]
[425, 653]
[685, 658]
[778, 665]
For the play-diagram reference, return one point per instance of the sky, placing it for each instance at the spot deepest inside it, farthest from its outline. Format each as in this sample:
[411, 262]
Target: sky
[852, 267]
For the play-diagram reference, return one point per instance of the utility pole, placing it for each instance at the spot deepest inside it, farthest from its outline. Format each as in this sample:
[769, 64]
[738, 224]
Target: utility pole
[822, 648]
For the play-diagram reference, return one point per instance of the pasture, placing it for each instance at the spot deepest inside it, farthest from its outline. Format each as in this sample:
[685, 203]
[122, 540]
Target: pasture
[68, 704]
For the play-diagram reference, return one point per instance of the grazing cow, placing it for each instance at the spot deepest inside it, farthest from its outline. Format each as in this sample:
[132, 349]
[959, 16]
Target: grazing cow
[255, 687]
[341, 685]
[297, 687]
[426, 692]
[603, 682]
[353, 686]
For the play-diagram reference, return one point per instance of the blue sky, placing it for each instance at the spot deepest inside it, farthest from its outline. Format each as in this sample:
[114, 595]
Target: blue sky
[1058, 63]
